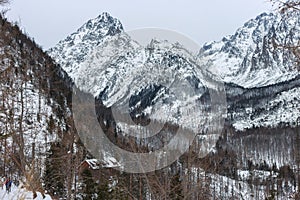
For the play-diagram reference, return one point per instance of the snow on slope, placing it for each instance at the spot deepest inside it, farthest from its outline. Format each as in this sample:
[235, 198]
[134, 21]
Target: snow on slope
[70, 52]
[243, 187]
[113, 69]
[36, 114]
[33, 104]
[162, 80]
[284, 108]
[248, 58]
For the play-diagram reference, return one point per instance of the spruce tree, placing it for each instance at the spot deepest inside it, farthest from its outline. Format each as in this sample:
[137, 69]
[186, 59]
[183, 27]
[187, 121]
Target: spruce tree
[54, 176]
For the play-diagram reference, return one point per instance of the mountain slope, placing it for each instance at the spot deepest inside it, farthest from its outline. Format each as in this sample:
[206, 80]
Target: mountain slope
[70, 52]
[35, 106]
[249, 57]
[269, 106]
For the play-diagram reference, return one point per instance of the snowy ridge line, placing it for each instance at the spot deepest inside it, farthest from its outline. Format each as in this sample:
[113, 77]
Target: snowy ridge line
[70, 52]
[248, 58]
[250, 66]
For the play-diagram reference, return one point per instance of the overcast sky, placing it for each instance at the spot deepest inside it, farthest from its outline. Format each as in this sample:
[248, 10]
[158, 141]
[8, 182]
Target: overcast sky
[201, 20]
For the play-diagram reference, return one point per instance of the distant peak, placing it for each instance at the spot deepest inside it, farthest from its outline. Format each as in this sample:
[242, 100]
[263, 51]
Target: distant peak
[264, 14]
[78, 45]
[105, 16]
[102, 25]
[163, 44]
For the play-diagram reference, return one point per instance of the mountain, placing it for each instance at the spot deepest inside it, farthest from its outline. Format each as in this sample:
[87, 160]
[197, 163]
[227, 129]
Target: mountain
[245, 61]
[73, 50]
[165, 83]
[160, 80]
[261, 77]
[123, 69]
[249, 58]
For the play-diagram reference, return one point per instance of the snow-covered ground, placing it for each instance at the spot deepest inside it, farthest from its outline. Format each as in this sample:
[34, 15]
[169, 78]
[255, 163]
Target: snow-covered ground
[284, 108]
[20, 194]
[243, 188]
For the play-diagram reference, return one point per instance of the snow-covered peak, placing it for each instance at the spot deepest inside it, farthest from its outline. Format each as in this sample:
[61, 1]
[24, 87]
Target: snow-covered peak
[108, 63]
[249, 57]
[165, 75]
[102, 25]
[117, 69]
[162, 44]
[70, 52]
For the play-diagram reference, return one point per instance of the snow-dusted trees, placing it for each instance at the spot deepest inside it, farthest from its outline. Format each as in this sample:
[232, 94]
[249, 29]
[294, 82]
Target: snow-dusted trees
[34, 102]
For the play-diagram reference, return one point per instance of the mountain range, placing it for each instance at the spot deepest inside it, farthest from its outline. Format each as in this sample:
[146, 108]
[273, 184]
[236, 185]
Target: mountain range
[248, 62]
[259, 77]
[244, 87]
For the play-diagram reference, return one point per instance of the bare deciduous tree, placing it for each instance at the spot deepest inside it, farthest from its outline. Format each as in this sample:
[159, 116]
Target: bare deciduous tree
[286, 6]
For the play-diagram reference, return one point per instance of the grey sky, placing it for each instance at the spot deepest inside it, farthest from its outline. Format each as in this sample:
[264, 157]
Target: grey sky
[49, 21]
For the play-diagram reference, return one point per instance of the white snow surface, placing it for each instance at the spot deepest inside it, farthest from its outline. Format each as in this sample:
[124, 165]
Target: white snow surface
[18, 193]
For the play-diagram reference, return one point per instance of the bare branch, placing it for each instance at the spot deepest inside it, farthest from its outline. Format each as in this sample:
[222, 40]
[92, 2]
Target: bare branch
[285, 6]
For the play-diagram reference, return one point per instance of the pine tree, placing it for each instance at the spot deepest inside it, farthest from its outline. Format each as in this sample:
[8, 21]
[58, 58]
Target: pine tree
[54, 176]
[89, 188]
[103, 191]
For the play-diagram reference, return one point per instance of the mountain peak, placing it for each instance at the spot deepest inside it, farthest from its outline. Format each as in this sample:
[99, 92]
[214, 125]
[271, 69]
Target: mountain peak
[248, 57]
[70, 52]
[105, 16]
[102, 25]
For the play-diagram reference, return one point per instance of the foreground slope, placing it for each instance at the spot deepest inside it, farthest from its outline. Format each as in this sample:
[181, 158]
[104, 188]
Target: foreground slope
[35, 109]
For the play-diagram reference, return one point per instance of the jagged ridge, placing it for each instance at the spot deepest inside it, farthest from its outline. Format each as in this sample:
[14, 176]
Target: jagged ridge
[249, 57]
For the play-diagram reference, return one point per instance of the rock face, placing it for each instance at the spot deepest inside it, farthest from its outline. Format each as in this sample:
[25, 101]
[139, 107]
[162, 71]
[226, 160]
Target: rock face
[249, 57]
[73, 50]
